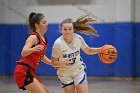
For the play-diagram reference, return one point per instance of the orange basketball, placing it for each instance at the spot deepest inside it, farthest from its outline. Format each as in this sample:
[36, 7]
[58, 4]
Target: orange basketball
[108, 54]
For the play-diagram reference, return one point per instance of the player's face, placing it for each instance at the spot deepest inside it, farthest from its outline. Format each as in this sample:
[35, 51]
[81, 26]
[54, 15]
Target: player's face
[67, 31]
[43, 25]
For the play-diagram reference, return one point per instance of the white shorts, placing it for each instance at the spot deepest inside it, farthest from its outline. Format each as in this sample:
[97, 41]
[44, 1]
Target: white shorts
[78, 78]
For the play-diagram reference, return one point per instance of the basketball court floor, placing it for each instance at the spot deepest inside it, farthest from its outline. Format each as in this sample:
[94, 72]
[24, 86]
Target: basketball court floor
[96, 85]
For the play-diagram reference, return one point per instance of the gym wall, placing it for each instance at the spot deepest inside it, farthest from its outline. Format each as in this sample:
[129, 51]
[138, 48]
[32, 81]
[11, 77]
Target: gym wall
[118, 23]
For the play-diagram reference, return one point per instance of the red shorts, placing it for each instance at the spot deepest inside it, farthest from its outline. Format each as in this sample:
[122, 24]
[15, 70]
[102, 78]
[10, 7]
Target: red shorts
[24, 75]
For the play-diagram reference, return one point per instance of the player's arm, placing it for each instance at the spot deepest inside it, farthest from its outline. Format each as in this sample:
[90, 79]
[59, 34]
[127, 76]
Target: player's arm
[87, 49]
[56, 60]
[59, 62]
[28, 49]
[90, 50]
[46, 60]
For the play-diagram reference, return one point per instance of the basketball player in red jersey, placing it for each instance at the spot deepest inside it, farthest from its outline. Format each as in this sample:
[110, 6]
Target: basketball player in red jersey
[32, 53]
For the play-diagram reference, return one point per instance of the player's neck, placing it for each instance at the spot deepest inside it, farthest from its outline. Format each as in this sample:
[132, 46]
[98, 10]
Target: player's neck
[40, 34]
[68, 40]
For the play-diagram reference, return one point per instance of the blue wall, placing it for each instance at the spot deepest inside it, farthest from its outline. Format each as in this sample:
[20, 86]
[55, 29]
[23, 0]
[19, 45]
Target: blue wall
[124, 36]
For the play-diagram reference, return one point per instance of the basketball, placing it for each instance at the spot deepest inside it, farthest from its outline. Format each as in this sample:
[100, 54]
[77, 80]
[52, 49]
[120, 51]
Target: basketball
[108, 54]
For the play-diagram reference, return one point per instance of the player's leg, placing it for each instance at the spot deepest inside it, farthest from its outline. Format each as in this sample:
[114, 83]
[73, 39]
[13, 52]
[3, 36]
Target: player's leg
[69, 89]
[67, 84]
[82, 88]
[44, 88]
[80, 81]
[35, 87]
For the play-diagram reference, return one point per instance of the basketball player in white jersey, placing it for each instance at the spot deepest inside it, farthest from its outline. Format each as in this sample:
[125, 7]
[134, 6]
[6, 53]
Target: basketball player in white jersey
[66, 55]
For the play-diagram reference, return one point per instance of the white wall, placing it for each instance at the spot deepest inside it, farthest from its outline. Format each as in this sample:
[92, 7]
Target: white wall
[137, 10]
[12, 11]
[17, 11]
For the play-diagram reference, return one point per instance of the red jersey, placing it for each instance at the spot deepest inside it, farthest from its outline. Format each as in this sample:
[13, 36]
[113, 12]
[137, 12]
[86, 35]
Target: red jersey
[35, 57]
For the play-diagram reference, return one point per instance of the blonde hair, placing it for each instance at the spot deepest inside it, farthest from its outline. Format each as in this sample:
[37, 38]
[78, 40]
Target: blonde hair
[82, 25]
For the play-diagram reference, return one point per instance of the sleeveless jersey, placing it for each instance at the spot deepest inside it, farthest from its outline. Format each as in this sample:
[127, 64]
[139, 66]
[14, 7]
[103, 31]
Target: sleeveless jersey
[35, 57]
[73, 53]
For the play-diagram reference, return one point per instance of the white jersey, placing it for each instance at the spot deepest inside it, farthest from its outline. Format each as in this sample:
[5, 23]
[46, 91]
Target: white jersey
[72, 51]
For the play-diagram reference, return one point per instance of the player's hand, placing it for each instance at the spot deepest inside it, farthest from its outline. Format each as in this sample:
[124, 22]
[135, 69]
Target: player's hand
[103, 46]
[100, 48]
[38, 48]
[63, 61]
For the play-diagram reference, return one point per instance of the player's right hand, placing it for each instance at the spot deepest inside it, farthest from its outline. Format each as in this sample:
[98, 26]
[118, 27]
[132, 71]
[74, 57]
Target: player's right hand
[38, 48]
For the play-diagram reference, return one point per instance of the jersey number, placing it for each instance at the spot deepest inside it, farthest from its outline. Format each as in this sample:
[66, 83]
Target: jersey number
[72, 61]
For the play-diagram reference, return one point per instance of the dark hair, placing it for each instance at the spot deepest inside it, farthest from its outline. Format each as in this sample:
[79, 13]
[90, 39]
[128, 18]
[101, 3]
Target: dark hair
[82, 25]
[34, 18]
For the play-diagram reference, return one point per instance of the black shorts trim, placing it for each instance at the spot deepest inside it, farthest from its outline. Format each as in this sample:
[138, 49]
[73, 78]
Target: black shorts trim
[28, 79]
[65, 85]
[24, 64]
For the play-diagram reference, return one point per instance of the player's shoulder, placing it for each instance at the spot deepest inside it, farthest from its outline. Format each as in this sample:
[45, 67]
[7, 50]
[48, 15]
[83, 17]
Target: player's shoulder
[58, 41]
[31, 37]
[78, 36]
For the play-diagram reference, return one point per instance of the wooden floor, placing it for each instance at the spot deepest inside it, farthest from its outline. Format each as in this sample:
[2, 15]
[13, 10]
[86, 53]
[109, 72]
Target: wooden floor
[8, 85]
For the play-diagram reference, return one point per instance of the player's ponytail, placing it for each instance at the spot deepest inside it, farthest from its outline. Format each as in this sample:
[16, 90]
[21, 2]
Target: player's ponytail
[31, 23]
[82, 25]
